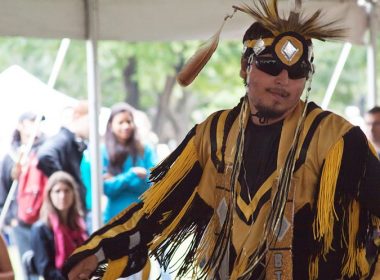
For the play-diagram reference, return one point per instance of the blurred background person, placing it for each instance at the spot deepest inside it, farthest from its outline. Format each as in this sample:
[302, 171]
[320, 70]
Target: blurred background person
[11, 165]
[85, 169]
[126, 161]
[61, 227]
[372, 126]
[13, 169]
[6, 270]
[64, 151]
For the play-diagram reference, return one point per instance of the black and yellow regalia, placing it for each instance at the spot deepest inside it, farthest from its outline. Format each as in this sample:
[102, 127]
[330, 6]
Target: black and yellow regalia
[291, 203]
[197, 195]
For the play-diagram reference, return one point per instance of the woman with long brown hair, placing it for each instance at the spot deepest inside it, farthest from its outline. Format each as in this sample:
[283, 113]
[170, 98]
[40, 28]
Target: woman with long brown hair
[126, 161]
[61, 227]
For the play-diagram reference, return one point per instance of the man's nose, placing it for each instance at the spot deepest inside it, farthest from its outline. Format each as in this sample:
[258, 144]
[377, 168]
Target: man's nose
[283, 77]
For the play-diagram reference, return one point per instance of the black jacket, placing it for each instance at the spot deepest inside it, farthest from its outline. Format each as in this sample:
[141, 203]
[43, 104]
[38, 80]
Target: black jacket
[63, 152]
[44, 252]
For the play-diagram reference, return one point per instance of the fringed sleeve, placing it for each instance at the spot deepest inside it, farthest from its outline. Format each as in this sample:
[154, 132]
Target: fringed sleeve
[175, 204]
[158, 224]
[342, 220]
[123, 236]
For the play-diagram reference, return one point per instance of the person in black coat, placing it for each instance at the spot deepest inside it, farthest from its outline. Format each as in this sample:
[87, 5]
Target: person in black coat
[64, 151]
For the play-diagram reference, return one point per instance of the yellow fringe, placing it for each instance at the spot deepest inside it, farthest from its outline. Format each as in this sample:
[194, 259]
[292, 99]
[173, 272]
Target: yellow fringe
[355, 261]
[362, 262]
[115, 268]
[373, 150]
[146, 271]
[375, 221]
[169, 229]
[313, 268]
[181, 167]
[324, 223]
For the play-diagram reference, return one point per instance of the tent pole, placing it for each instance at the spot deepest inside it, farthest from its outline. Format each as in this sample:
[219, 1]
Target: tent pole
[371, 57]
[335, 77]
[94, 109]
[65, 43]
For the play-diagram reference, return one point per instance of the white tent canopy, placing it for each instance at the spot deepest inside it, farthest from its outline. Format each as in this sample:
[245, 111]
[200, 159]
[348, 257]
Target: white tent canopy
[136, 20]
[29, 95]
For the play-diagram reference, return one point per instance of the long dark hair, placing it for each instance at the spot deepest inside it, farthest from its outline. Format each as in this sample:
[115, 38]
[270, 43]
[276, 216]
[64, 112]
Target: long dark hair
[47, 206]
[118, 152]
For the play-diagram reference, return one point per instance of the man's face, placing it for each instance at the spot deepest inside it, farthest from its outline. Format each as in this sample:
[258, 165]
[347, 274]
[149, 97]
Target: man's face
[276, 96]
[372, 122]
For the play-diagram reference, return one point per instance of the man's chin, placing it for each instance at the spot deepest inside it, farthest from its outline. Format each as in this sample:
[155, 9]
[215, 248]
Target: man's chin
[269, 113]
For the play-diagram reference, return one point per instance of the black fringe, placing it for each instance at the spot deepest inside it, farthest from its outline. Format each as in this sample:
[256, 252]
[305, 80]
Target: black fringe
[194, 224]
[353, 167]
[220, 249]
[160, 170]
[351, 176]
[353, 170]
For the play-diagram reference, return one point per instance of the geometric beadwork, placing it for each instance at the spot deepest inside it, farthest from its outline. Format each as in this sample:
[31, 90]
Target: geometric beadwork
[289, 50]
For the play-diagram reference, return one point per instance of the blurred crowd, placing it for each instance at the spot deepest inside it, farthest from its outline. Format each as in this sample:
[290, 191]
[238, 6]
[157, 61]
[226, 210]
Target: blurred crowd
[46, 190]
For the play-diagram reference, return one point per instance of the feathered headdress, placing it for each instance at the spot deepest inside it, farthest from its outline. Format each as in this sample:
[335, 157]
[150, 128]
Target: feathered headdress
[312, 28]
[290, 40]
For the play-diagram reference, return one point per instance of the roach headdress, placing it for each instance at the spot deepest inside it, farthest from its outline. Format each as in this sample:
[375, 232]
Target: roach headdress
[288, 39]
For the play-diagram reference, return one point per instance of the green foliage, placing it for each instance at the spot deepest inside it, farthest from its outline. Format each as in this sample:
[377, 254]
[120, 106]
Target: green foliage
[154, 62]
[352, 84]
[34, 55]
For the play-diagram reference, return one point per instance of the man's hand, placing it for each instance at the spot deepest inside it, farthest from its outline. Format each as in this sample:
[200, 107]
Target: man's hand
[84, 269]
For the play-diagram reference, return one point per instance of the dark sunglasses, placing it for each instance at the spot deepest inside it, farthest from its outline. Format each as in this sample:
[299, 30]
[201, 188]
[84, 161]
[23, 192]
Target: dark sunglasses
[273, 67]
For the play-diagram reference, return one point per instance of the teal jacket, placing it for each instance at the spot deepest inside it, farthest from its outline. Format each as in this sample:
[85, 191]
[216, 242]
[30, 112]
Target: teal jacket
[124, 188]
